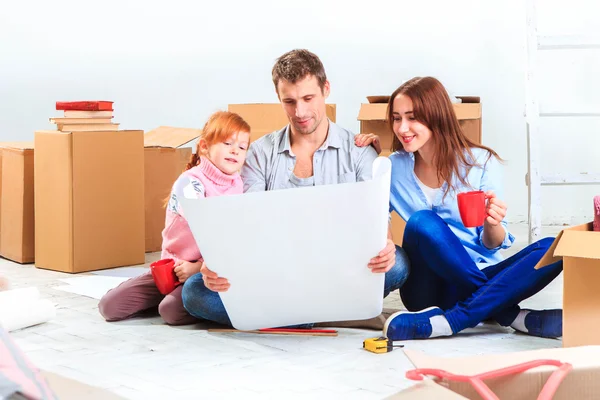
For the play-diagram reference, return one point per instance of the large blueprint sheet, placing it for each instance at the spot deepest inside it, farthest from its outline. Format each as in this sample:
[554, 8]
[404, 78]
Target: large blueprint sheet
[297, 255]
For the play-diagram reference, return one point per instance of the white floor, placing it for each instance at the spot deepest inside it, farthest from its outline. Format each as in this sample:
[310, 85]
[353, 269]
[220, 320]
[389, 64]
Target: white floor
[146, 359]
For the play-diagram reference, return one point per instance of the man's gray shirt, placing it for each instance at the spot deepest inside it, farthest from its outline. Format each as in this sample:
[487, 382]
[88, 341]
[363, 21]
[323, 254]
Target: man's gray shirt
[270, 161]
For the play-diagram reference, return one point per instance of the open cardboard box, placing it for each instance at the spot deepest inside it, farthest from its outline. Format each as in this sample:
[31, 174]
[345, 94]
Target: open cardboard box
[17, 238]
[582, 382]
[579, 248]
[265, 118]
[164, 161]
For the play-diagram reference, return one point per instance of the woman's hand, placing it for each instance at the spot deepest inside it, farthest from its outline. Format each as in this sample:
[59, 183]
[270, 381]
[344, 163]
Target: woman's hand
[495, 209]
[185, 269]
[493, 231]
[212, 280]
[365, 139]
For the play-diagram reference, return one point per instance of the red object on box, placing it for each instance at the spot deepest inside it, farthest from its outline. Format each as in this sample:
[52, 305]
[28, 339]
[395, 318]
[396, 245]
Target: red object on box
[163, 272]
[471, 206]
[95, 105]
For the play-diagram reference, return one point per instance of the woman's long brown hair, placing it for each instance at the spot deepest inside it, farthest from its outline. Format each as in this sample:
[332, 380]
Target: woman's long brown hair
[432, 107]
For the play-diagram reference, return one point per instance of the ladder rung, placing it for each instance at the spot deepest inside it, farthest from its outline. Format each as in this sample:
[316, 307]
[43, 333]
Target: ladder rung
[570, 114]
[572, 179]
[568, 42]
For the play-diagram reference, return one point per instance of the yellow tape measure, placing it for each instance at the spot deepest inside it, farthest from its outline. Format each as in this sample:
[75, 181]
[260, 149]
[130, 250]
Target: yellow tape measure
[379, 345]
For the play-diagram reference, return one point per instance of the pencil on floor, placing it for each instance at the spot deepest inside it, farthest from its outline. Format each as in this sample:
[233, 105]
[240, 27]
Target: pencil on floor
[275, 331]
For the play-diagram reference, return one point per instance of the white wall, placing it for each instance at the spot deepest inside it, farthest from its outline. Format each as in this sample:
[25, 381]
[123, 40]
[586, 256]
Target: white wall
[175, 64]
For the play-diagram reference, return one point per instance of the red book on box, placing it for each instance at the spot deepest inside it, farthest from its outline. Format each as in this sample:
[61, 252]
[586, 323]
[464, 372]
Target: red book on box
[96, 105]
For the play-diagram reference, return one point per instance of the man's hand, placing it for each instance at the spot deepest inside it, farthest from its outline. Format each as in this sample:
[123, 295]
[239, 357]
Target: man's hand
[185, 269]
[212, 280]
[385, 260]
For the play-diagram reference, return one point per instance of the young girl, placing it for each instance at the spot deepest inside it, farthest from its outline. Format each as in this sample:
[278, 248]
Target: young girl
[212, 171]
[446, 290]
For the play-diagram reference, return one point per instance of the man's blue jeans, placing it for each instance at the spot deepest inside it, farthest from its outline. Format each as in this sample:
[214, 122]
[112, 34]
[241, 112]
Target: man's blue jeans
[203, 303]
[444, 275]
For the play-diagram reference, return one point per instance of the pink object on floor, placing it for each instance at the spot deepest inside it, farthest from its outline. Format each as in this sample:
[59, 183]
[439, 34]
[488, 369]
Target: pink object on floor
[597, 213]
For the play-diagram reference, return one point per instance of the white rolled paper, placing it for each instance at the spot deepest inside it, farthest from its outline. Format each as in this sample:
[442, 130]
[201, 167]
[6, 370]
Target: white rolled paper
[14, 296]
[21, 308]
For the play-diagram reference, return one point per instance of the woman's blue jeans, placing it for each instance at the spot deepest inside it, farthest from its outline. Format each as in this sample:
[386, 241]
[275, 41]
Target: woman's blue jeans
[444, 275]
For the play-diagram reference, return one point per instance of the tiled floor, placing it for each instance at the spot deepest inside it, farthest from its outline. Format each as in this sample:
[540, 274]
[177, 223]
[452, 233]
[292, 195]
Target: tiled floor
[145, 359]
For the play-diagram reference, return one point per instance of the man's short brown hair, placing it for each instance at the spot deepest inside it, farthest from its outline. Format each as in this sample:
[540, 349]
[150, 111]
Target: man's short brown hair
[296, 65]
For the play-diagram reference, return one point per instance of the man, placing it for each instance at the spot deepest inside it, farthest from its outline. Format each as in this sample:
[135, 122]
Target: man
[310, 151]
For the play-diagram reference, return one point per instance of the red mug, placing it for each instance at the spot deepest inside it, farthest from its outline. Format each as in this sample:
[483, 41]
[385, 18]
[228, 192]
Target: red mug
[163, 272]
[471, 206]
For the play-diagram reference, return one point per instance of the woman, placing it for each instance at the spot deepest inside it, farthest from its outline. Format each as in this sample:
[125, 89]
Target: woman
[446, 290]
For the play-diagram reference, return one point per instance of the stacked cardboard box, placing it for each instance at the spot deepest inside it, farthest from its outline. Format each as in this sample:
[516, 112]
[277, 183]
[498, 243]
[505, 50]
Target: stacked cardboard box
[16, 202]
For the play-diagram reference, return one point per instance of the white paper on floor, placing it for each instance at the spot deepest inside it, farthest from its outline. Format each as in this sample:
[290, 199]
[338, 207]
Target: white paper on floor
[91, 286]
[297, 256]
[123, 272]
[21, 308]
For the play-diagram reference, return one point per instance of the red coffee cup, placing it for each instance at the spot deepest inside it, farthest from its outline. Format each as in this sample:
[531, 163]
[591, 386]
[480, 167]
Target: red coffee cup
[163, 272]
[471, 206]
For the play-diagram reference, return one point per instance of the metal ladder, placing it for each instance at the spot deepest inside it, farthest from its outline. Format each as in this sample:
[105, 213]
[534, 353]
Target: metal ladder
[534, 179]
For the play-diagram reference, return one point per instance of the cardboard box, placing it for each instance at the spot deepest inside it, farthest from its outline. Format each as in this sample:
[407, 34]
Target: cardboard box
[397, 226]
[582, 382]
[265, 118]
[579, 248]
[372, 117]
[16, 202]
[164, 161]
[89, 200]
[69, 389]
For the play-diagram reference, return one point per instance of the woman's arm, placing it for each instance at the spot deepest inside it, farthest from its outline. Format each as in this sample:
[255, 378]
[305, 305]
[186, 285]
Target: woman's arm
[494, 235]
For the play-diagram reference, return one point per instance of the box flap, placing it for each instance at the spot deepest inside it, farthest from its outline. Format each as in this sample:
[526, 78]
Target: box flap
[469, 99]
[581, 244]
[372, 112]
[378, 99]
[168, 136]
[17, 145]
[551, 255]
[467, 110]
